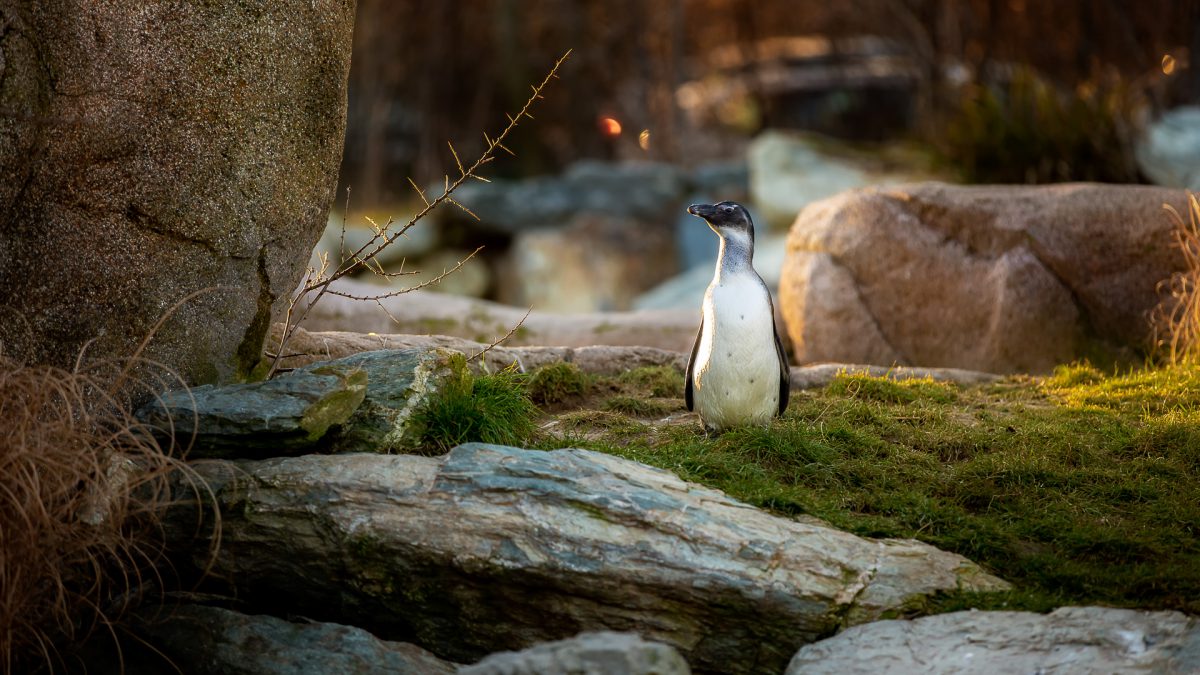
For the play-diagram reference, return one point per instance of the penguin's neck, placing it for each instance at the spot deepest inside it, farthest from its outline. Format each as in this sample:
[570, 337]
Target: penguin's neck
[735, 256]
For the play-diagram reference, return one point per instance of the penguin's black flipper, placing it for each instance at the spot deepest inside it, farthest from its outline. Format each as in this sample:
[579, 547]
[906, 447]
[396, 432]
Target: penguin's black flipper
[785, 374]
[687, 377]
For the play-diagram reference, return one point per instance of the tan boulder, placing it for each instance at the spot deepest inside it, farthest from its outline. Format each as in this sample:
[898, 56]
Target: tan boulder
[993, 278]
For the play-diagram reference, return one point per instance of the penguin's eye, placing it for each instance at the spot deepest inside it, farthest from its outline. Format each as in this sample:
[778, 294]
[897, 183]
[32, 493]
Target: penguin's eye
[727, 209]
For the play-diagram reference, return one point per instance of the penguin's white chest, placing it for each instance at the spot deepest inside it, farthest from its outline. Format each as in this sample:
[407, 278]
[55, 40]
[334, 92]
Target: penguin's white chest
[735, 379]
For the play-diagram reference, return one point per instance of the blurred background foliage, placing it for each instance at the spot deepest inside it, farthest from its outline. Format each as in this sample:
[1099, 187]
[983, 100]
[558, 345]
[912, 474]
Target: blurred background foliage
[1000, 90]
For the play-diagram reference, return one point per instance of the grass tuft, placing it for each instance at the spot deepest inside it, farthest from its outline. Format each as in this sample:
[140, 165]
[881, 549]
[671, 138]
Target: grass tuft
[486, 408]
[1177, 320]
[867, 388]
[556, 383]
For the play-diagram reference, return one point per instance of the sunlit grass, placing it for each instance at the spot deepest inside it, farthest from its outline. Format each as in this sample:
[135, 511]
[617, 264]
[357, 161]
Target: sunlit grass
[1082, 488]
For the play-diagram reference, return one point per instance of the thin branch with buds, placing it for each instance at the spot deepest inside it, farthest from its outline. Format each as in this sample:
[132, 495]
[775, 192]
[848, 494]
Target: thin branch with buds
[317, 280]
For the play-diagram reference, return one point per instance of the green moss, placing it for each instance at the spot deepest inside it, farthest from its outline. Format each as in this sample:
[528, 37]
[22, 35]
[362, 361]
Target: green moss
[555, 383]
[1080, 488]
[337, 407]
[487, 408]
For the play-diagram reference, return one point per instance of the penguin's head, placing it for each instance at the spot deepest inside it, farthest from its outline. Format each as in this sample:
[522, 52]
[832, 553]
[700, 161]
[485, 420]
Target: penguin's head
[725, 218]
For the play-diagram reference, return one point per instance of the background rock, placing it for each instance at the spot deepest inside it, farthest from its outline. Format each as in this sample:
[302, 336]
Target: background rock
[593, 263]
[1069, 640]
[154, 149]
[686, 291]
[425, 312]
[599, 359]
[420, 240]
[1168, 151]
[790, 171]
[213, 641]
[998, 279]
[587, 654]
[642, 191]
[492, 547]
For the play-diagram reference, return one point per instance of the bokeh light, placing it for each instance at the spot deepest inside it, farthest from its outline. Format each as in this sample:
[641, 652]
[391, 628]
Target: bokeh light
[610, 127]
[1168, 64]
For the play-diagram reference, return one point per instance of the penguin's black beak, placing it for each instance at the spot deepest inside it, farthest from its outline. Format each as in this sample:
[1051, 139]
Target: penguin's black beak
[705, 211]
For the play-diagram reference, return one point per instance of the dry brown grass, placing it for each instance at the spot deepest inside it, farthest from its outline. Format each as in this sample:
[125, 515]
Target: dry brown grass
[1177, 319]
[81, 484]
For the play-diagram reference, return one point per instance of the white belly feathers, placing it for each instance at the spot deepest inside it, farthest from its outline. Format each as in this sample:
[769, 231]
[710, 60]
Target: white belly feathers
[736, 374]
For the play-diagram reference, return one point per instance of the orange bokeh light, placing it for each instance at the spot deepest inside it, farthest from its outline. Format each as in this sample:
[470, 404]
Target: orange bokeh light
[610, 127]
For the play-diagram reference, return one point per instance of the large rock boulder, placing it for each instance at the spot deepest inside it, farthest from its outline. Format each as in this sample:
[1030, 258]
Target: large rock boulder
[153, 149]
[490, 548]
[998, 279]
[1070, 640]
[361, 402]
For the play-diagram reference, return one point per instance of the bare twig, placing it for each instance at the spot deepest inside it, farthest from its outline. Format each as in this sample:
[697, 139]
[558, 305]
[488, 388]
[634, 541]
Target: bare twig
[317, 281]
[503, 338]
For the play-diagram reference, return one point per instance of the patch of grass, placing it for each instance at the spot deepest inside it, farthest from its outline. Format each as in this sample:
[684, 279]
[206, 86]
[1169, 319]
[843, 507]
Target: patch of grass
[659, 381]
[487, 408]
[1149, 392]
[1080, 488]
[609, 421]
[865, 387]
[556, 383]
[638, 407]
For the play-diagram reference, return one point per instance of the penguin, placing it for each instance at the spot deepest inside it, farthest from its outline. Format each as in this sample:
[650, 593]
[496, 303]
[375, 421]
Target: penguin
[737, 373]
